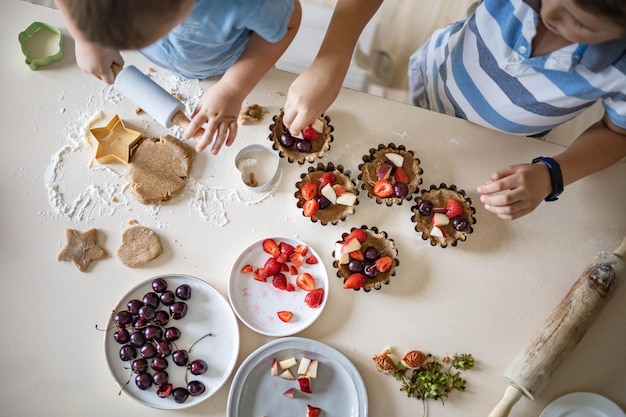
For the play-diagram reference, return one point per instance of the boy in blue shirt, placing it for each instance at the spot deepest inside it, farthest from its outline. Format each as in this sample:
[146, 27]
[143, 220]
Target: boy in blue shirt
[524, 67]
[238, 39]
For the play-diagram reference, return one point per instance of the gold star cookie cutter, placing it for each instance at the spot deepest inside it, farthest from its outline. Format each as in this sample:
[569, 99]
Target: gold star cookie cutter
[115, 141]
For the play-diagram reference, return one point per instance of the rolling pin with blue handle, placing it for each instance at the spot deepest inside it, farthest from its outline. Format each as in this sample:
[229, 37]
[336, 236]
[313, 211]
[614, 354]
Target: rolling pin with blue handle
[151, 97]
[530, 371]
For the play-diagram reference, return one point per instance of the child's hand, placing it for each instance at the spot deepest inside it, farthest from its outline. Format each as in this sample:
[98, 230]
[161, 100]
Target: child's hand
[98, 61]
[515, 191]
[217, 111]
[308, 97]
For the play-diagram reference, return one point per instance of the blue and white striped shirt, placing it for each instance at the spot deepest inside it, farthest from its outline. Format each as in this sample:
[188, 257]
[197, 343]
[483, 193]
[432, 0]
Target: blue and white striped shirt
[481, 69]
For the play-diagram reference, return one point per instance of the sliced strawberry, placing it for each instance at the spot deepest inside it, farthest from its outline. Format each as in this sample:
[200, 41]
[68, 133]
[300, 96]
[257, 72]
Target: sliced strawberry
[305, 281]
[328, 178]
[310, 133]
[312, 411]
[314, 298]
[284, 267]
[280, 281]
[339, 189]
[296, 259]
[302, 249]
[383, 188]
[360, 234]
[311, 260]
[270, 246]
[285, 315]
[285, 248]
[247, 269]
[354, 281]
[400, 175]
[272, 266]
[293, 270]
[309, 191]
[261, 274]
[357, 255]
[290, 287]
[454, 208]
[384, 263]
[310, 208]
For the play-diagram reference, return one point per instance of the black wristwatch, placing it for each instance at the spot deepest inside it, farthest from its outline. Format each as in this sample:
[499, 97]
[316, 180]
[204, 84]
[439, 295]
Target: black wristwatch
[556, 178]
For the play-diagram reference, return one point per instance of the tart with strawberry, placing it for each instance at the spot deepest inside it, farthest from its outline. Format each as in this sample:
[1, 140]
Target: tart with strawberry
[443, 215]
[365, 258]
[390, 174]
[305, 146]
[326, 193]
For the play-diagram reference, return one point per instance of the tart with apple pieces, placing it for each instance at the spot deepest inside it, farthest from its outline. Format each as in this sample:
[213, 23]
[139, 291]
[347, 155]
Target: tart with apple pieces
[443, 215]
[326, 193]
[365, 258]
[390, 174]
[312, 143]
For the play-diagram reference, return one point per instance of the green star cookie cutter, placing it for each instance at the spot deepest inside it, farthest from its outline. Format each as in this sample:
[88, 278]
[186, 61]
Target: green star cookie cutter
[41, 44]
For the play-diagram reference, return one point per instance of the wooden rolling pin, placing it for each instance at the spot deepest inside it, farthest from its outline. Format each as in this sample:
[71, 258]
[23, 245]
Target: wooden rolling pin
[151, 97]
[531, 370]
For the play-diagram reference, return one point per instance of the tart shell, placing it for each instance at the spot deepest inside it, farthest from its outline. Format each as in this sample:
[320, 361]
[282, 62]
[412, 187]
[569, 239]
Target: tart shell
[319, 146]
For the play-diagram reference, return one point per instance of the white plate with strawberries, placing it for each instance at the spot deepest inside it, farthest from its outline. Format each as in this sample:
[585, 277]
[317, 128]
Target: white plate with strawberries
[317, 380]
[278, 286]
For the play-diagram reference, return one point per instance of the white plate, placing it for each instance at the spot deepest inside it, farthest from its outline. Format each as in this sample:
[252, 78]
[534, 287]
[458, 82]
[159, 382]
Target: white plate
[582, 404]
[208, 312]
[257, 303]
[338, 390]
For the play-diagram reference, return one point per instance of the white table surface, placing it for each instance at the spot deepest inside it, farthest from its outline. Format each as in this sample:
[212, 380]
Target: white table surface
[487, 296]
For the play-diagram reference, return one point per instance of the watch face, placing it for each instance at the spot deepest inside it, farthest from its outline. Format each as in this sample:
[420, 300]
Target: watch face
[556, 178]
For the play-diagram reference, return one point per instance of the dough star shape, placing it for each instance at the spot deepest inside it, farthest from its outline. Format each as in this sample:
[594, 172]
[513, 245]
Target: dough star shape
[81, 248]
[115, 141]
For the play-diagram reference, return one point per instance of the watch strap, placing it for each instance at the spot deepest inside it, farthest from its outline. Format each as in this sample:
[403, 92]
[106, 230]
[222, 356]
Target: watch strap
[556, 177]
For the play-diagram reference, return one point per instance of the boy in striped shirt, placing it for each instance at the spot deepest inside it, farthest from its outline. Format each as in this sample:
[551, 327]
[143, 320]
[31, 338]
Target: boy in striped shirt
[524, 67]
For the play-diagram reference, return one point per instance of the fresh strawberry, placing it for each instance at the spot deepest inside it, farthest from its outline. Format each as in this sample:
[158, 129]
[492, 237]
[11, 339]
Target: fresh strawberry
[310, 133]
[328, 178]
[293, 270]
[314, 298]
[309, 191]
[354, 281]
[357, 255]
[310, 208]
[247, 269]
[312, 411]
[272, 266]
[270, 246]
[454, 208]
[400, 175]
[261, 274]
[296, 259]
[286, 248]
[280, 281]
[284, 267]
[339, 189]
[311, 260]
[285, 315]
[360, 234]
[383, 189]
[302, 249]
[306, 281]
[384, 263]
[290, 287]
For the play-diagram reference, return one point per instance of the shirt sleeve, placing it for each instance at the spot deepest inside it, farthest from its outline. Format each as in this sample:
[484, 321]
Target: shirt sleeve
[268, 18]
[616, 112]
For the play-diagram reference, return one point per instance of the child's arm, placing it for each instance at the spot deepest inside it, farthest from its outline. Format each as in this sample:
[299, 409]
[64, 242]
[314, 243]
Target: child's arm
[317, 87]
[517, 190]
[91, 58]
[220, 105]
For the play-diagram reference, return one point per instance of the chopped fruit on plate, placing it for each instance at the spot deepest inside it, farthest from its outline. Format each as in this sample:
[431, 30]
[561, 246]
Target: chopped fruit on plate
[311, 260]
[289, 392]
[313, 411]
[274, 369]
[314, 298]
[305, 281]
[247, 269]
[280, 281]
[305, 384]
[270, 246]
[301, 249]
[383, 188]
[285, 315]
[293, 270]
[296, 259]
[287, 363]
[304, 365]
[311, 371]
[287, 374]
[272, 266]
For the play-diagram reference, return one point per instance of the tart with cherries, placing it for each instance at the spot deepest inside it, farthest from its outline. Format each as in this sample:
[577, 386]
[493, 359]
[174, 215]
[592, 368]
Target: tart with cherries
[365, 258]
[390, 174]
[326, 193]
[313, 142]
[443, 215]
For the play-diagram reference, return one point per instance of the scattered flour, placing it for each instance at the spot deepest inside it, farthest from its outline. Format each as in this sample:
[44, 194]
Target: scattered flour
[81, 190]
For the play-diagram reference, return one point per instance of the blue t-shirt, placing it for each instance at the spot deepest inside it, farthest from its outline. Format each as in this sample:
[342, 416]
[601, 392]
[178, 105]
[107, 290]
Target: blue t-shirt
[215, 34]
[481, 69]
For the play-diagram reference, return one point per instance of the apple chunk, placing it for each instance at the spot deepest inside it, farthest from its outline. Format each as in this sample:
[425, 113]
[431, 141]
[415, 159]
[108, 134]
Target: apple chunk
[304, 365]
[305, 384]
[311, 371]
[346, 199]
[287, 363]
[395, 158]
[287, 374]
[274, 367]
[350, 245]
